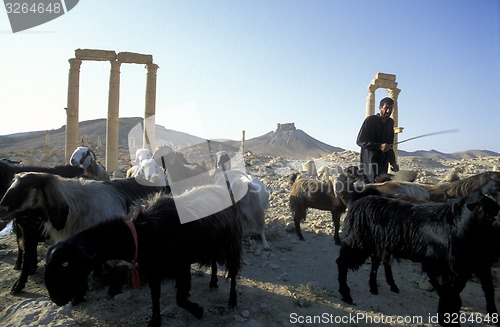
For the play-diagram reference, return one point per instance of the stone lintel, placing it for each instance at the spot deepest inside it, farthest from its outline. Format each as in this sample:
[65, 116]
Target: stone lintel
[97, 55]
[384, 76]
[135, 58]
[384, 84]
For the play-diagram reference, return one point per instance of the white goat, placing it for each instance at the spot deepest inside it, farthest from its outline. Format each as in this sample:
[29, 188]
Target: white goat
[253, 198]
[150, 173]
[140, 155]
[86, 158]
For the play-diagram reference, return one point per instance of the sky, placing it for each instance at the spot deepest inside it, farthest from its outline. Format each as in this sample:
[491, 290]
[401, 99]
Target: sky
[228, 66]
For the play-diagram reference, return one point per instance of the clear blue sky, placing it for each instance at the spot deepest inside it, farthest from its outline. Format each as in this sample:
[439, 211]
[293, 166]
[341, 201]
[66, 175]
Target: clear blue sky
[228, 66]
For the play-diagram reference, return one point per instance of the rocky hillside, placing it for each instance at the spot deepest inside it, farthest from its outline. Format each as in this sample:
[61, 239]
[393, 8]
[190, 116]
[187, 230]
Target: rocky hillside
[286, 141]
[295, 277]
[290, 142]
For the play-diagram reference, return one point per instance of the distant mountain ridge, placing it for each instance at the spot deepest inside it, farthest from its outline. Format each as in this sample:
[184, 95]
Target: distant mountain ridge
[290, 142]
[433, 154]
[286, 141]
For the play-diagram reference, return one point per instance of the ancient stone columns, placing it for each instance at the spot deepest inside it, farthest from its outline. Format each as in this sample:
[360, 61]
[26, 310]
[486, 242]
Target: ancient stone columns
[72, 107]
[112, 123]
[388, 82]
[149, 122]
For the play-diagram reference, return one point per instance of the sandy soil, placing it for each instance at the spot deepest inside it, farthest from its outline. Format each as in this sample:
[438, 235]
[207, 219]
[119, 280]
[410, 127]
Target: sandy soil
[293, 284]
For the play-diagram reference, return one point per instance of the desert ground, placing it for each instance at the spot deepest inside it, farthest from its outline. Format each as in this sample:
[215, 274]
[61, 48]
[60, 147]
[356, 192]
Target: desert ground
[293, 284]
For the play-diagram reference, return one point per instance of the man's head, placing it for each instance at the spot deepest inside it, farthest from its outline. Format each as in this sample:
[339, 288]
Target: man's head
[386, 107]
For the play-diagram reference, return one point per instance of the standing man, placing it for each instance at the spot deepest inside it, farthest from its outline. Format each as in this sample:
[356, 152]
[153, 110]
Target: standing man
[375, 138]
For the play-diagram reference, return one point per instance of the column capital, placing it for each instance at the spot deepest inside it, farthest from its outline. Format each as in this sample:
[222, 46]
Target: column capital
[151, 67]
[394, 93]
[115, 64]
[75, 62]
[372, 88]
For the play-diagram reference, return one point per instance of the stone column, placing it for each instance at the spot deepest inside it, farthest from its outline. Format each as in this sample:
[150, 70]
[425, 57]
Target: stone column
[243, 142]
[393, 94]
[370, 100]
[150, 108]
[113, 123]
[72, 107]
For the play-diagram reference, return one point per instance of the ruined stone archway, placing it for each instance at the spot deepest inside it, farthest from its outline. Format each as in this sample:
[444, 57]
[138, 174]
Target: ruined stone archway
[112, 122]
[387, 82]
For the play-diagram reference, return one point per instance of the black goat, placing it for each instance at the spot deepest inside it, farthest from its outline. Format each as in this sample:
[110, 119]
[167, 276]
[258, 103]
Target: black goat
[166, 248]
[65, 207]
[29, 228]
[451, 240]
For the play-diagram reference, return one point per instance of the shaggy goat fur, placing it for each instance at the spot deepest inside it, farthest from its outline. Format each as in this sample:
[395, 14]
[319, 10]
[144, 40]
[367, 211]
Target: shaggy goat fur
[253, 199]
[451, 240]
[401, 188]
[166, 248]
[29, 228]
[465, 186]
[312, 193]
[66, 207]
[71, 205]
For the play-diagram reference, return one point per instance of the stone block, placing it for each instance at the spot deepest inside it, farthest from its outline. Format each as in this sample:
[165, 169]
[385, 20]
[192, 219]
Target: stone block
[97, 55]
[384, 76]
[135, 58]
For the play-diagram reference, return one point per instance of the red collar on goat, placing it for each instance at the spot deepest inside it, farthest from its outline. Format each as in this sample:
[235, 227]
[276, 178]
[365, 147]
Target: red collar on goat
[136, 280]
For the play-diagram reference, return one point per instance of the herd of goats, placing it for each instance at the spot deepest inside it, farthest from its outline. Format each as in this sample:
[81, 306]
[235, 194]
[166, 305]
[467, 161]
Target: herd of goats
[452, 228]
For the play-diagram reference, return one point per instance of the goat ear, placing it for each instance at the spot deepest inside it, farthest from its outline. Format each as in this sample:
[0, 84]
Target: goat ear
[56, 206]
[491, 195]
[473, 200]
[490, 207]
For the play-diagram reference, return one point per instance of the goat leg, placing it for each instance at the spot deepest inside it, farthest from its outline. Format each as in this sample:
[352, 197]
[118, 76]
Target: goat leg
[28, 233]
[485, 278]
[155, 289]
[183, 284]
[336, 213]
[389, 277]
[298, 216]
[344, 289]
[232, 271]
[28, 267]
[373, 275]
[213, 277]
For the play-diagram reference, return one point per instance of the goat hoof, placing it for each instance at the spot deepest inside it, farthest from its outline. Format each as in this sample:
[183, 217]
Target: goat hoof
[394, 289]
[213, 284]
[17, 288]
[198, 312]
[232, 303]
[345, 295]
[337, 242]
[301, 238]
[347, 298]
[374, 291]
[154, 322]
